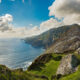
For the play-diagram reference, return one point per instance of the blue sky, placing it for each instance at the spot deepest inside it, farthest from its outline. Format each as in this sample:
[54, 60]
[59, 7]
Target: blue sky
[30, 12]
[24, 12]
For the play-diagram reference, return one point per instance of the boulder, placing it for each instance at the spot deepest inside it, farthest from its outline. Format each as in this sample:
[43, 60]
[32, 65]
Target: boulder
[78, 51]
[68, 65]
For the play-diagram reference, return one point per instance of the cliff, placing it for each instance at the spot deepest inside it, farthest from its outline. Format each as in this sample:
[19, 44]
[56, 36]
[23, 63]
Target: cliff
[47, 38]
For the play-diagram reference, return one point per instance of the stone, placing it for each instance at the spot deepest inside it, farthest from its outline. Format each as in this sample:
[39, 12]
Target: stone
[78, 51]
[68, 65]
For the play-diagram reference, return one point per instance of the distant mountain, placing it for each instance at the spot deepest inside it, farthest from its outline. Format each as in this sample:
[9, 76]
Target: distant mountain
[69, 41]
[47, 38]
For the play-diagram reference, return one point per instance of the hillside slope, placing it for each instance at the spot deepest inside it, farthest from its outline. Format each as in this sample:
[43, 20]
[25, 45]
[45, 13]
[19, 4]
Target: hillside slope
[64, 65]
[47, 38]
[69, 41]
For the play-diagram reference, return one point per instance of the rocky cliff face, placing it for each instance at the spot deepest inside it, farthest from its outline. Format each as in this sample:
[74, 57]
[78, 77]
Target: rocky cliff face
[47, 38]
[70, 41]
[78, 51]
[68, 65]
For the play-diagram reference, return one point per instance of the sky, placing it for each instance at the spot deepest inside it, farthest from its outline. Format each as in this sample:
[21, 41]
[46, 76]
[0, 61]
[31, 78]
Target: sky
[27, 18]
[26, 12]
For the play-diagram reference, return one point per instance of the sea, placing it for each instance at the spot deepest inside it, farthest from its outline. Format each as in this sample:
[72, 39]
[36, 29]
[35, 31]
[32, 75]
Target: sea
[15, 53]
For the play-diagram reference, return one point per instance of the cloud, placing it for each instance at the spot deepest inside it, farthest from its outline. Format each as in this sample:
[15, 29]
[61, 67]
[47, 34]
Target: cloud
[13, 0]
[69, 10]
[5, 22]
[51, 23]
[8, 30]
[23, 1]
[0, 1]
[31, 24]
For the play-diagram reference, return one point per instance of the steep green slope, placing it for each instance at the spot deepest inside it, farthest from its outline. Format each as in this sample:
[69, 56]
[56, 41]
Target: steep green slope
[43, 68]
[47, 68]
[18, 74]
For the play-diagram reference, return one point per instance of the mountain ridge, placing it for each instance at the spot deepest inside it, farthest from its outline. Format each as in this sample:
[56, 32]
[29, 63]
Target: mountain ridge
[45, 39]
[69, 41]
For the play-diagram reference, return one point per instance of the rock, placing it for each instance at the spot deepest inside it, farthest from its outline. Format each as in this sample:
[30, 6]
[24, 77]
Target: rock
[78, 51]
[68, 42]
[68, 65]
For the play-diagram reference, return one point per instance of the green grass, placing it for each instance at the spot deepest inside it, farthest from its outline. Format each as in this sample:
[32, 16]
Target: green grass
[50, 68]
[7, 74]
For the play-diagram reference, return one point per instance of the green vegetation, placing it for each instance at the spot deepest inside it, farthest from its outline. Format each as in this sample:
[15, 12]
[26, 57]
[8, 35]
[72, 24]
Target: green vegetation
[48, 69]
[19, 74]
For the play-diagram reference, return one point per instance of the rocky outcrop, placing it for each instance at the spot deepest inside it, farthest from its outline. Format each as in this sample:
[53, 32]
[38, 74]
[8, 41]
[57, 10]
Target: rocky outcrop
[68, 65]
[70, 41]
[78, 51]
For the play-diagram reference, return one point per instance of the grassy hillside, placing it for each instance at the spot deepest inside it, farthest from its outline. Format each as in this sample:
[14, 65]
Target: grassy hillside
[45, 69]
[49, 68]
[19, 74]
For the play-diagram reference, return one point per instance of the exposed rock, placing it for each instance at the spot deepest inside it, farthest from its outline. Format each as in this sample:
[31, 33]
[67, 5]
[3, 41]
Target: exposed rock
[70, 41]
[68, 65]
[78, 51]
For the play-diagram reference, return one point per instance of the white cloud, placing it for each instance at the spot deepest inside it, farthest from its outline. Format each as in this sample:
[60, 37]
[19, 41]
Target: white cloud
[13, 0]
[23, 1]
[0, 1]
[67, 9]
[5, 22]
[31, 24]
[51, 23]
[7, 30]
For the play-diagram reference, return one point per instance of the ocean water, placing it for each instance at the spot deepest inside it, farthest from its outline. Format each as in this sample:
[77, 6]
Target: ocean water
[15, 53]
